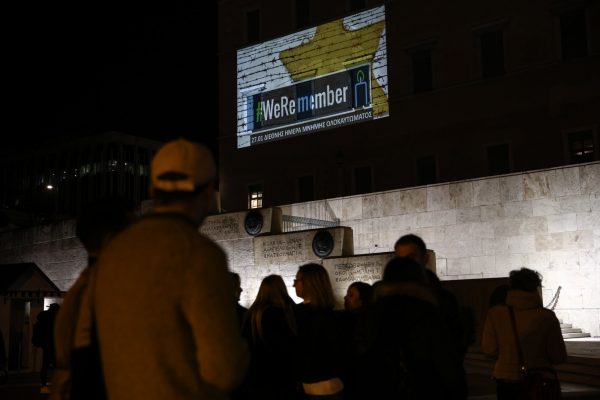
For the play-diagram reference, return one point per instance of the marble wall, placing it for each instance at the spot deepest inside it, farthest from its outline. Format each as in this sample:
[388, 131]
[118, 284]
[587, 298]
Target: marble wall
[483, 228]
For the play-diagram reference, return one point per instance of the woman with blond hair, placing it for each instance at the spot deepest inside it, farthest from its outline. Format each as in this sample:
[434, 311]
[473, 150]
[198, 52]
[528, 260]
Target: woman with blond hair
[270, 328]
[319, 352]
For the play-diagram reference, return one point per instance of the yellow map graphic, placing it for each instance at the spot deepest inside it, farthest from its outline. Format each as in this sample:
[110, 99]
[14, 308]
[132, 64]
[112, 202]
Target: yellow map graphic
[335, 48]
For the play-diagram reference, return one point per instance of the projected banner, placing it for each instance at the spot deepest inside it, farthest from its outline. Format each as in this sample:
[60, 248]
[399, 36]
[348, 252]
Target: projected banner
[321, 78]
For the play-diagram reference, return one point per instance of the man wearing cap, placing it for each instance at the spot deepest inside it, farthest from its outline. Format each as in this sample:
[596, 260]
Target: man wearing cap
[165, 316]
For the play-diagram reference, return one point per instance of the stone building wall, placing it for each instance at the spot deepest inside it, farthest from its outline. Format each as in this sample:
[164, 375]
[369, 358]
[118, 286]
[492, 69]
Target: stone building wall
[546, 220]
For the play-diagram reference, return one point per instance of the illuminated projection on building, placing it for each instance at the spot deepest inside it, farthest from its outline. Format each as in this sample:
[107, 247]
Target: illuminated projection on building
[320, 78]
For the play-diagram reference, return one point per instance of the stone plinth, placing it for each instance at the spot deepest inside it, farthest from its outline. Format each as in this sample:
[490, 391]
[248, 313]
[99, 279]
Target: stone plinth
[239, 226]
[345, 270]
[299, 246]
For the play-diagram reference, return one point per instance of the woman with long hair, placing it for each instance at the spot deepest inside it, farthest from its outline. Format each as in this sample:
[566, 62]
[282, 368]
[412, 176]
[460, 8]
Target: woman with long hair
[319, 352]
[270, 327]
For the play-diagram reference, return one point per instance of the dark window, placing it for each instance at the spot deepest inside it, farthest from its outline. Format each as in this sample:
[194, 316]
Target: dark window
[581, 147]
[355, 5]
[362, 180]
[252, 26]
[302, 13]
[498, 159]
[255, 196]
[426, 170]
[306, 188]
[492, 54]
[573, 34]
[422, 72]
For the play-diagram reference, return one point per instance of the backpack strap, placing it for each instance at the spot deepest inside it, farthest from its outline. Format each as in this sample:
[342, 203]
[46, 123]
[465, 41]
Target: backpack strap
[521, 359]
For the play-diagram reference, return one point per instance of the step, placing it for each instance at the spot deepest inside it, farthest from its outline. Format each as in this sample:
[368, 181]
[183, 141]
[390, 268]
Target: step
[562, 326]
[571, 330]
[575, 335]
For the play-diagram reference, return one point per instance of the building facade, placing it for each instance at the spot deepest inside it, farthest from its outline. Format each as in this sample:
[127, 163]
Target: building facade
[471, 91]
[53, 182]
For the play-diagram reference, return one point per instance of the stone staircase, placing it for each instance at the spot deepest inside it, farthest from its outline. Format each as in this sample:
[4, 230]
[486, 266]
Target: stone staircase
[568, 332]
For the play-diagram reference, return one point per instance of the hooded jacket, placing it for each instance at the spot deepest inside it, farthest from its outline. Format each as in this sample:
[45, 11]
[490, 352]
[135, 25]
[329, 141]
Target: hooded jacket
[538, 330]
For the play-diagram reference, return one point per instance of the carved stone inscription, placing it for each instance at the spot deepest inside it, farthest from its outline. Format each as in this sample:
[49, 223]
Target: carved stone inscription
[366, 271]
[222, 227]
[279, 249]
[344, 271]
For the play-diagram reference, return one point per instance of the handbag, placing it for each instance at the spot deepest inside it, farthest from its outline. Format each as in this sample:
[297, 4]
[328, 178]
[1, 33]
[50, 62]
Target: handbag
[537, 383]
[87, 378]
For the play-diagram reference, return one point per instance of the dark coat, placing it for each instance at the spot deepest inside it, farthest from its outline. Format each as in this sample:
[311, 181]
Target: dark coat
[409, 353]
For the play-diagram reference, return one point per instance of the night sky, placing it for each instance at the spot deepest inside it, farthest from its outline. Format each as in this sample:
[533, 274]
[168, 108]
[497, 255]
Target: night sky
[74, 71]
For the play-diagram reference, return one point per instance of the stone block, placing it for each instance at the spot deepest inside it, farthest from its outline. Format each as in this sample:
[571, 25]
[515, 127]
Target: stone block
[518, 209]
[564, 241]
[565, 182]
[537, 185]
[486, 192]
[243, 252]
[372, 206]
[345, 270]
[543, 207]
[298, 246]
[436, 218]
[232, 225]
[588, 220]
[590, 178]
[595, 202]
[438, 198]
[466, 215]
[533, 226]
[492, 213]
[461, 194]
[351, 208]
[562, 223]
[458, 266]
[512, 188]
[521, 244]
[404, 201]
[578, 203]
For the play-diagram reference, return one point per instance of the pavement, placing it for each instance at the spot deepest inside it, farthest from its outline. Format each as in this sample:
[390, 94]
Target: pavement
[26, 386]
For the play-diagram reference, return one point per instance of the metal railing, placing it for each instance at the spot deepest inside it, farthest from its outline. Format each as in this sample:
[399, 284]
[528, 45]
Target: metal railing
[322, 217]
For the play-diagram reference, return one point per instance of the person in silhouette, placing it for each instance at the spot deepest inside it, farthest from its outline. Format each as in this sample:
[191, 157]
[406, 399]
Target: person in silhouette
[43, 337]
[98, 223]
[537, 329]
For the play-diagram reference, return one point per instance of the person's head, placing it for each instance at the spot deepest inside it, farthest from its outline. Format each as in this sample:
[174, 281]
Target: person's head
[101, 220]
[236, 284]
[525, 279]
[182, 179]
[413, 247]
[272, 293]
[54, 307]
[358, 295]
[404, 269]
[312, 284]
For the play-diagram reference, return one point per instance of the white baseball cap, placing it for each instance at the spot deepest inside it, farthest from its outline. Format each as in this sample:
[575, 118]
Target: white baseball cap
[182, 166]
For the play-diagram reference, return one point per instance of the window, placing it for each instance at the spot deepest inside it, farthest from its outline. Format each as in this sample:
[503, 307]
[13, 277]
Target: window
[421, 70]
[498, 159]
[356, 5]
[306, 188]
[302, 13]
[581, 147]
[573, 34]
[492, 53]
[362, 180]
[255, 196]
[426, 170]
[252, 26]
